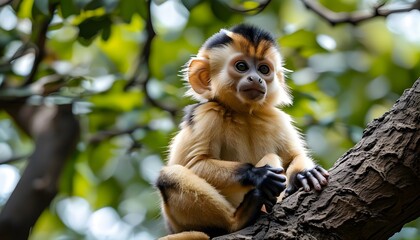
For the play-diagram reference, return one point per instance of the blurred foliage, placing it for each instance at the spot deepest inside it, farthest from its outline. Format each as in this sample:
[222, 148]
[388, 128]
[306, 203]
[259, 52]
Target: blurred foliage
[342, 77]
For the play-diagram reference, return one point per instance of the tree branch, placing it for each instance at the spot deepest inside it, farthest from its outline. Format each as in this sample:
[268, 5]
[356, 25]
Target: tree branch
[108, 134]
[4, 2]
[374, 187]
[39, 46]
[142, 72]
[20, 52]
[13, 159]
[356, 17]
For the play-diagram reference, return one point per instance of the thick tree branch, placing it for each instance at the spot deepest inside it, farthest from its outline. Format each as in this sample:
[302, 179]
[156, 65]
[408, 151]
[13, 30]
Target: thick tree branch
[374, 188]
[356, 17]
[55, 131]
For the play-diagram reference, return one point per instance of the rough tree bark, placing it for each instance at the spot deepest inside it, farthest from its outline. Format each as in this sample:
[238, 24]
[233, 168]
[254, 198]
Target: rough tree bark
[55, 131]
[374, 188]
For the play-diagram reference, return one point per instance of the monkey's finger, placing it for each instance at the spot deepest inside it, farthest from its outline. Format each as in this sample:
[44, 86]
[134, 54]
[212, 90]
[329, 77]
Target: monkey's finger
[322, 171]
[268, 206]
[314, 182]
[276, 188]
[268, 192]
[303, 181]
[272, 189]
[276, 177]
[321, 179]
[290, 190]
[276, 170]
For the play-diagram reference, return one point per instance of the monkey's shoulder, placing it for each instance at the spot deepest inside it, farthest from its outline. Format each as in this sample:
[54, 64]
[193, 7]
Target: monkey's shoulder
[202, 108]
[188, 118]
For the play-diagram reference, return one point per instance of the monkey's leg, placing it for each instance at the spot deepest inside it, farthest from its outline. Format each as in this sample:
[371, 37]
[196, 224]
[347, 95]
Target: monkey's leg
[275, 161]
[270, 159]
[191, 203]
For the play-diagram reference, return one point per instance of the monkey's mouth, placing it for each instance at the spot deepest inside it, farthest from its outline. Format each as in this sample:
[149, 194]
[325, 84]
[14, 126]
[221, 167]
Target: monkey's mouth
[253, 93]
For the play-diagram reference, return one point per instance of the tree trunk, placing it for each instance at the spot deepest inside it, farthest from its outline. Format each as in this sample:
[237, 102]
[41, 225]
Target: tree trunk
[374, 188]
[55, 131]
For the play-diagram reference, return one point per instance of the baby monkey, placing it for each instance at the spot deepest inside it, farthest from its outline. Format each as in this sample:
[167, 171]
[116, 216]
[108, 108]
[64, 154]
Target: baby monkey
[235, 148]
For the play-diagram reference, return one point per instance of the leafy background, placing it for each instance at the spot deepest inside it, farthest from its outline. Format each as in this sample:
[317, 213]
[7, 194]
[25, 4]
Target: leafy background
[127, 93]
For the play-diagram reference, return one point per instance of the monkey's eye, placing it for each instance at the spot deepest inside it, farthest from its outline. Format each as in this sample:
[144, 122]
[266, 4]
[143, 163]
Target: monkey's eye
[264, 69]
[241, 66]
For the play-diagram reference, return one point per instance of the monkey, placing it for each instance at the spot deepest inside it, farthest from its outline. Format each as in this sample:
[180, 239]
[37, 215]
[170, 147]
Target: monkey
[236, 151]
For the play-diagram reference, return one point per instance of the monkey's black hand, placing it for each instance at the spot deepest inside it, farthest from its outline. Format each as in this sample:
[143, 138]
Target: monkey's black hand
[268, 180]
[314, 178]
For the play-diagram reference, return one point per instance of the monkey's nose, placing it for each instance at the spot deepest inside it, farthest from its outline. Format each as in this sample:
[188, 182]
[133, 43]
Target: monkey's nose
[253, 78]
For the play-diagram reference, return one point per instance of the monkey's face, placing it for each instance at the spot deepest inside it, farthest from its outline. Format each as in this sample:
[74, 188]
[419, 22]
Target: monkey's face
[241, 68]
[244, 80]
[250, 76]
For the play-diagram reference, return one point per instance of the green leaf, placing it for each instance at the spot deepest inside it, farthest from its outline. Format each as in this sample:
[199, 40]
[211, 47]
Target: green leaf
[105, 192]
[143, 10]
[106, 32]
[80, 4]
[118, 100]
[127, 8]
[341, 6]
[303, 40]
[190, 4]
[91, 27]
[101, 155]
[25, 9]
[220, 10]
[94, 4]
[68, 8]
[154, 140]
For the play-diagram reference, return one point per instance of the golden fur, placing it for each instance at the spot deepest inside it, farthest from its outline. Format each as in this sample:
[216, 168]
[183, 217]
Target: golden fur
[199, 185]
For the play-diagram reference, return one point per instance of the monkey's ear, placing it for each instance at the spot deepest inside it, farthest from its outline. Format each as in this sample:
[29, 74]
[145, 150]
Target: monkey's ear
[199, 75]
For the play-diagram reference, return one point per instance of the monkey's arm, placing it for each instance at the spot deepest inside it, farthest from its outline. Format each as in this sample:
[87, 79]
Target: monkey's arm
[300, 168]
[231, 178]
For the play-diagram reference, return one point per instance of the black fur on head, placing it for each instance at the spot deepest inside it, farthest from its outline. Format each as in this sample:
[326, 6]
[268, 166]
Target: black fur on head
[252, 33]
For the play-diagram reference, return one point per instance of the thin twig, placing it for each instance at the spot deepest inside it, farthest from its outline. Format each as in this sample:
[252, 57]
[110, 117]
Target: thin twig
[108, 134]
[354, 18]
[142, 72]
[4, 2]
[40, 45]
[20, 52]
[14, 159]
[139, 75]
